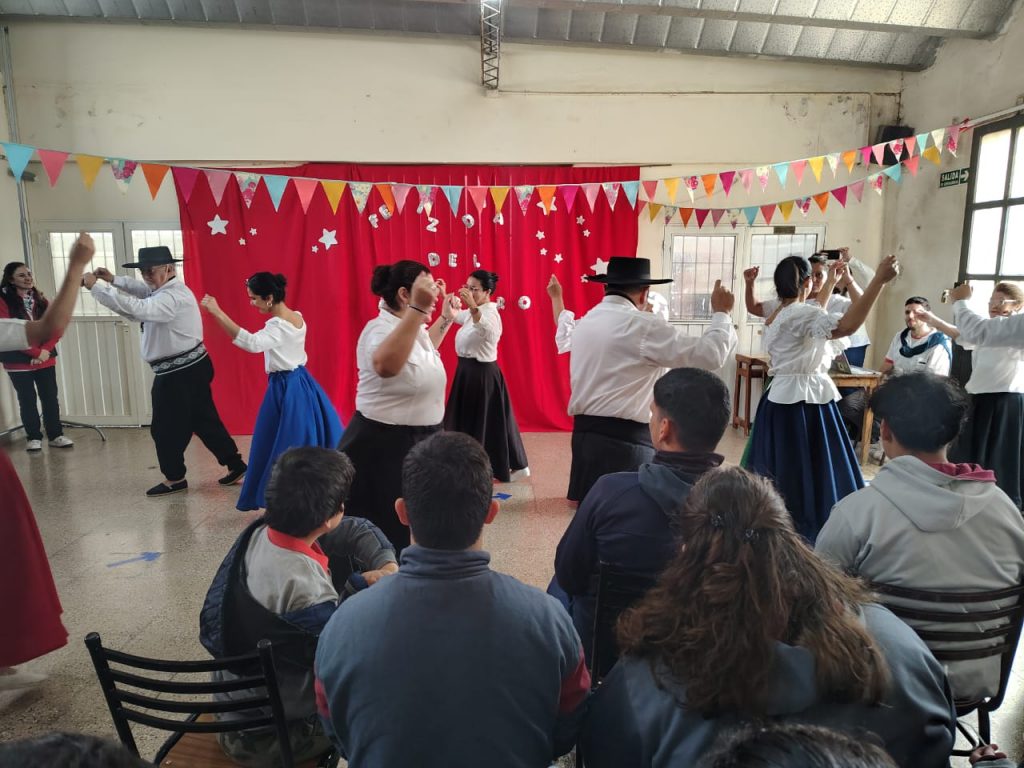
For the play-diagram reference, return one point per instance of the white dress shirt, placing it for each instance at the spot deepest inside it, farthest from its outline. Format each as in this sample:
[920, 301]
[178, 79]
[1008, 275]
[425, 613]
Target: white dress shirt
[993, 368]
[936, 359]
[800, 345]
[837, 305]
[479, 340]
[564, 327]
[13, 337]
[282, 344]
[988, 332]
[618, 352]
[170, 314]
[415, 397]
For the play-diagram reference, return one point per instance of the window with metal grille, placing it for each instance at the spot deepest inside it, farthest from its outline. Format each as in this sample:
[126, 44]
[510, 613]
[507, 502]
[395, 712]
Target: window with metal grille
[767, 250]
[697, 261]
[147, 238]
[106, 256]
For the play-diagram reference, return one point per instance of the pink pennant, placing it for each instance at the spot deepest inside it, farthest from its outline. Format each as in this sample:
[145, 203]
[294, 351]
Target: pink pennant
[768, 211]
[702, 215]
[727, 178]
[185, 180]
[896, 145]
[400, 191]
[797, 168]
[910, 144]
[568, 193]
[479, 197]
[858, 189]
[804, 204]
[590, 192]
[747, 177]
[53, 162]
[911, 164]
[650, 188]
[840, 195]
[218, 181]
[952, 139]
[878, 150]
[305, 188]
[716, 215]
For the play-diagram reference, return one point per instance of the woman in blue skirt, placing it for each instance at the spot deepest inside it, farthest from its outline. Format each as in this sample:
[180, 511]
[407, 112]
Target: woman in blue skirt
[295, 410]
[799, 440]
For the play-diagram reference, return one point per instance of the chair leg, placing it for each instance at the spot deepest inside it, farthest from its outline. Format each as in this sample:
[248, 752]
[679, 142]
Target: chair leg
[984, 726]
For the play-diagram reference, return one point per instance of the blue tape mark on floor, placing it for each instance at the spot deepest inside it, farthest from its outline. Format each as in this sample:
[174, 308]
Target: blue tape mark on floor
[502, 496]
[147, 557]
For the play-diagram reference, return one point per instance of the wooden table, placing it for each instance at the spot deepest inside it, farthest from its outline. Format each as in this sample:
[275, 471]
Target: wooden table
[748, 367]
[868, 381]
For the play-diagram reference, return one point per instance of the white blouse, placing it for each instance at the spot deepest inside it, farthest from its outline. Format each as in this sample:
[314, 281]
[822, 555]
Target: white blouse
[800, 345]
[479, 340]
[282, 344]
[837, 305]
[415, 397]
[995, 369]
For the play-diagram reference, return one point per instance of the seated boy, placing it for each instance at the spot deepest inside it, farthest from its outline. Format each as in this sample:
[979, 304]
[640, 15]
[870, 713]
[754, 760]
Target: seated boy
[276, 583]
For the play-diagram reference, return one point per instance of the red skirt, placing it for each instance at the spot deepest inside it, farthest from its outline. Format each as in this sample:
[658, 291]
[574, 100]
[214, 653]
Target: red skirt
[29, 603]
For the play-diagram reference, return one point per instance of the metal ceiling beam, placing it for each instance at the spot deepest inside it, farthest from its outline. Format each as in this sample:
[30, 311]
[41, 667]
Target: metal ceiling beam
[490, 43]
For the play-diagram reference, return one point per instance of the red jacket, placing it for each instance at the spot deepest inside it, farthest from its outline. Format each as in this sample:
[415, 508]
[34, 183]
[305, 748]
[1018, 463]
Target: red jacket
[5, 312]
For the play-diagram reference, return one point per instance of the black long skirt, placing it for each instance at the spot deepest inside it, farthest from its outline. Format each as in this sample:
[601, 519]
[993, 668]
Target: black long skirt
[377, 451]
[602, 445]
[478, 406]
[994, 438]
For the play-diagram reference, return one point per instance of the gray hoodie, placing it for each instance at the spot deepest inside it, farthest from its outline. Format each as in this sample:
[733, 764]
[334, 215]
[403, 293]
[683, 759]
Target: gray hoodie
[921, 528]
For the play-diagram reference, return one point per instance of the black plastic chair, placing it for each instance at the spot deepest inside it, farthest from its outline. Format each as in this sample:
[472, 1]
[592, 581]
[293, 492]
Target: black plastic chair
[617, 590]
[961, 645]
[193, 742]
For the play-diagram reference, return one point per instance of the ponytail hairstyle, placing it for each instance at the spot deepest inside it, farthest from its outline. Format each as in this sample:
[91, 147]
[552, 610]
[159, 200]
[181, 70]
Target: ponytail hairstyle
[790, 275]
[744, 581]
[10, 295]
[388, 279]
[265, 284]
[488, 280]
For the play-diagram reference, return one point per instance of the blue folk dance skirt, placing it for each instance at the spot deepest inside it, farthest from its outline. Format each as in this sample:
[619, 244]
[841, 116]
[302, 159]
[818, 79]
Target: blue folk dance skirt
[804, 449]
[295, 412]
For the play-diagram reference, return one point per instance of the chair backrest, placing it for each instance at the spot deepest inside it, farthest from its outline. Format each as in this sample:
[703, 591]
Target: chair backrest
[617, 590]
[128, 706]
[1000, 635]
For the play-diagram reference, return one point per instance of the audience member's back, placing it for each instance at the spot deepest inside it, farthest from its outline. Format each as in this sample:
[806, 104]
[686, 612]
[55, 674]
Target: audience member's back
[449, 663]
[924, 523]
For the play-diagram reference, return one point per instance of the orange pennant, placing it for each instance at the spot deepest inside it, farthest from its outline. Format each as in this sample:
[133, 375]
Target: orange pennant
[498, 195]
[685, 214]
[546, 194]
[786, 208]
[89, 165]
[822, 200]
[154, 174]
[387, 196]
[709, 179]
[653, 209]
[933, 154]
[816, 163]
[671, 186]
[849, 158]
[334, 190]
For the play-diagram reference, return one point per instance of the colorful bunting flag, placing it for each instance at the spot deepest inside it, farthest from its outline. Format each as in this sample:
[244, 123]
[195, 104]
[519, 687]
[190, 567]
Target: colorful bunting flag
[939, 138]
[709, 179]
[387, 195]
[865, 156]
[546, 194]
[762, 173]
[833, 162]
[822, 201]
[921, 140]
[787, 209]
[478, 196]
[334, 190]
[911, 164]
[685, 214]
[590, 193]
[650, 189]
[797, 167]
[454, 194]
[747, 177]
[426, 194]
[498, 195]
[816, 163]
[569, 192]
[611, 191]
[878, 151]
[123, 171]
[767, 211]
[653, 209]
[751, 213]
[840, 195]
[218, 181]
[877, 182]
[933, 154]
[305, 189]
[894, 172]
[523, 194]
[909, 145]
[849, 158]
[631, 189]
[18, 156]
[53, 162]
[701, 215]
[692, 183]
[154, 173]
[896, 145]
[953, 139]
[184, 180]
[858, 189]
[727, 179]
[89, 165]
[672, 188]
[803, 204]
[401, 192]
[782, 171]
[247, 184]
[276, 185]
[716, 215]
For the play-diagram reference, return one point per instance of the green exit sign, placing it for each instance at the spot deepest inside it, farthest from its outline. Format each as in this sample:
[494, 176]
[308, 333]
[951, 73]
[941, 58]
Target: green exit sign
[954, 177]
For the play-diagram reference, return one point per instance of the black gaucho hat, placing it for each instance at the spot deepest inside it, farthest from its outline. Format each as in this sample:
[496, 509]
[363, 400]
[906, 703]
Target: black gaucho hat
[626, 270]
[156, 256]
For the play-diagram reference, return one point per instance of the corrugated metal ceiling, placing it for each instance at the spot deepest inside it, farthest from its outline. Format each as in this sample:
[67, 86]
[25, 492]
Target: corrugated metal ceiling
[895, 34]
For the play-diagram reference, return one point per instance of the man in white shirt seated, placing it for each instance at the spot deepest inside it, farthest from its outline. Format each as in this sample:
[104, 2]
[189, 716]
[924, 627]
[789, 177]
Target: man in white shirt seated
[925, 523]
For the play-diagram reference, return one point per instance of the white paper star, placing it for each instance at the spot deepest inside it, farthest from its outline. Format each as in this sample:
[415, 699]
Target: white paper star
[316, 249]
[599, 267]
[217, 225]
[329, 238]
[586, 233]
[543, 251]
[545, 209]
[241, 241]
[252, 231]
[540, 235]
[580, 220]
[558, 258]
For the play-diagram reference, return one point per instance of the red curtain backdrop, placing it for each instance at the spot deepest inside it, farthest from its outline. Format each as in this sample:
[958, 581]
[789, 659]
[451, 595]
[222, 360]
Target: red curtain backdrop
[330, 284]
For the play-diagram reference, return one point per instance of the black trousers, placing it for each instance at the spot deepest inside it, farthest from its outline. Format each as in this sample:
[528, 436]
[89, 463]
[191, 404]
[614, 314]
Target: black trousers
[183, 406]
[27, 384]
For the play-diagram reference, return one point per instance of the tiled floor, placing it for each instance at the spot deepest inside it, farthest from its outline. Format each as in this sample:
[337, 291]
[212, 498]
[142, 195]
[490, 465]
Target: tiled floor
[92, 514]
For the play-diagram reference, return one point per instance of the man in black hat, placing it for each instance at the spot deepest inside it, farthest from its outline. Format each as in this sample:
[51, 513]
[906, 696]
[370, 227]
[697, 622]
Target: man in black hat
[618, 351]
[172, 344]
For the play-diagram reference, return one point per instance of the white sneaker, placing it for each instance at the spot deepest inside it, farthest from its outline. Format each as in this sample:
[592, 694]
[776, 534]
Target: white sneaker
[12, 678]
[34, 445]
[519, 474]
[62, 441]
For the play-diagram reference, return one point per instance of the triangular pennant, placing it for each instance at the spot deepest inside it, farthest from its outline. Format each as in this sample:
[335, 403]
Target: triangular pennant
[387, 196]
[782, 171]
[709, 179]
[53, 161]
[702, 215]
[858, 189]
[939, 138]
[910, 145]
[498, 195]
[642, 207]
[18, 156]
[896, 145]
[734, 217]
[454, 194]
[767, 211]
[797, 167]
[787, 209]
[878, 152]
[751, 213]
[305, 189]
[611, 191]
[933, 154]
[276, 185]
[523, 194]
[716, 215]
[334, 190]
[154, 173]
[894, 172]
[921, 140]
[184, 180]
[685, 214]
[89, 165]
[247, 185]
[840, 195]
[546, 194]
[746, 178]
[650, 189]
[953, 139]
[361, 193]
[479, 197]
[816, 163]
[218, 181]
[672, 187]
[569, 192]
[877, 182]
[426, 193]
[631, 189]
[653, 209]
[123, 171]
[833, 162]
[865, 156]
[803, 204]
[727, 179]
[849, 158]
[401, 192]
[590, 192]
[762, 176]
[822, 201]
[911, 164]
[692, 184]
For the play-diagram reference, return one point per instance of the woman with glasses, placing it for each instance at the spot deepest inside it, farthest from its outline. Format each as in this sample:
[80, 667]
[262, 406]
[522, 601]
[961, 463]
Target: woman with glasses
[295, 411]
[478, 403]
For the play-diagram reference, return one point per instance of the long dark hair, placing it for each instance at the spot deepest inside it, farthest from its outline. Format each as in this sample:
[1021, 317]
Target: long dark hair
[743, 581]
[15, 304]
[790, 275]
